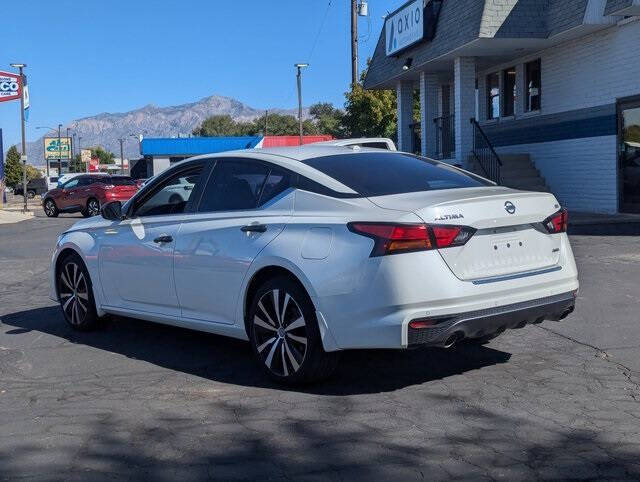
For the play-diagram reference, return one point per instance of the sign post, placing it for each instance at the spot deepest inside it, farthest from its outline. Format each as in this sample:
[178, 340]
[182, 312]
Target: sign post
[20, 68]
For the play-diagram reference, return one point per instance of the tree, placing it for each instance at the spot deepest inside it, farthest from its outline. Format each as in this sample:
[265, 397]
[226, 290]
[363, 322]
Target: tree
[105, 157]
[217, 125]
[370, 113]
[13, 167]
[33, 173]
[328, 119]
[76, 164]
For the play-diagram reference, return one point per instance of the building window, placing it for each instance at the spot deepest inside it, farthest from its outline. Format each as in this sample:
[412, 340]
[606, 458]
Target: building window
[493, 96]
[509, 82]
[533, 87]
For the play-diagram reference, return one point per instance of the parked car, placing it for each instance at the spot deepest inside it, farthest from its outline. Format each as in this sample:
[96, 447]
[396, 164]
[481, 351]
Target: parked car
[34, 187]
[372, 142]
[52, 182]
[86, 193]
[307, 252]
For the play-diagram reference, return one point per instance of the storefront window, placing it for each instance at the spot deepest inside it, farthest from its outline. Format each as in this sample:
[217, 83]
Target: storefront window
[509, 82]
[533, 85]
[493, 96]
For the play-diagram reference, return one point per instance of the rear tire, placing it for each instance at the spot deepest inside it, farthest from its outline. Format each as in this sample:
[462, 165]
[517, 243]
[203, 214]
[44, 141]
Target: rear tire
[76, 294]
[50, 208]
[31, 194]
[284, 334]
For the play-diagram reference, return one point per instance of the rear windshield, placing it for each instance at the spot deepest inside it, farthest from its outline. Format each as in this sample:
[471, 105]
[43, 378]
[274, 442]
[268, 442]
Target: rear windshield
[385, 173]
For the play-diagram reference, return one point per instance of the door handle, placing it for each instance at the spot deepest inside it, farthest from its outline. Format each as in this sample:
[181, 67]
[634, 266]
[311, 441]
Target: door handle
[254, 228]
[163, 239]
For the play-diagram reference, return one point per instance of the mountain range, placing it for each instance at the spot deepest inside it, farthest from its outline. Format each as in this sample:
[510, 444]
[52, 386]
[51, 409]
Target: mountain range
[105, 129]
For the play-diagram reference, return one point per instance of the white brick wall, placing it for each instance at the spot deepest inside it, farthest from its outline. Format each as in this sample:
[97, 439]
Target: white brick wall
[593, 70]
[582, 173]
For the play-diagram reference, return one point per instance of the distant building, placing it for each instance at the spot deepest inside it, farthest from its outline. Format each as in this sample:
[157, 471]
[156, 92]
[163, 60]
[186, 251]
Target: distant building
[159, 153]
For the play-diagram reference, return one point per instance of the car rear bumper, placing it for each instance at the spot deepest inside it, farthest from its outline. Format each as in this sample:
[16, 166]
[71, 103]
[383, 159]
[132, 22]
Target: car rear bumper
[447, 330]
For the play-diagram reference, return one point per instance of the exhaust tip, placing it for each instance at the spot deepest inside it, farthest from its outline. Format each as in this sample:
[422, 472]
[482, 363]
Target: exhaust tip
[453, 339]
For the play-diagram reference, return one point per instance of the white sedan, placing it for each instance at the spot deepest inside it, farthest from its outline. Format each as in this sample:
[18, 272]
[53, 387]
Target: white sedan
[309, 251]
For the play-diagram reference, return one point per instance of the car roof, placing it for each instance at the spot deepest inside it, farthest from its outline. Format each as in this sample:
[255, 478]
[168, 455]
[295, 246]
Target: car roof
[293, 158]
[358, 140]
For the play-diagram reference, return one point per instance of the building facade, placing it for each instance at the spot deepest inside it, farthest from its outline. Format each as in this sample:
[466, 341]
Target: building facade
[552, 83]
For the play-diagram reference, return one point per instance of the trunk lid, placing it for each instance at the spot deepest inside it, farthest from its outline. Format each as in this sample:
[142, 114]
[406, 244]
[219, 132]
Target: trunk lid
[509, 237]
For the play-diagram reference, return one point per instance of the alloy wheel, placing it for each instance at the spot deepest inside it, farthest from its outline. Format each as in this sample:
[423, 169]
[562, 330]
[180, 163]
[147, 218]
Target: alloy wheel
[49, 208]
[93, 207]
[74, 293]
[280, 332]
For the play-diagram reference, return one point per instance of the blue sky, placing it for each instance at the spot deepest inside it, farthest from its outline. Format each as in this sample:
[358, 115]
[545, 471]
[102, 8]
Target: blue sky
[90, 56]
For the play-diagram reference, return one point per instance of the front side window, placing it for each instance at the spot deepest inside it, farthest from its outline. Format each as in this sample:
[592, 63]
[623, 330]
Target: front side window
[509, 82]
[533, 87]
[172, 195]
[493, 96]
[234, 185]
[71, 184]
[380, 174]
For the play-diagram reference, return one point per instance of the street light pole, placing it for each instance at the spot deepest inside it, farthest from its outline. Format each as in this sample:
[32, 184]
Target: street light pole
[121, 156]
[46, 159]
[20, 68]
[300, 66]
[59, 151]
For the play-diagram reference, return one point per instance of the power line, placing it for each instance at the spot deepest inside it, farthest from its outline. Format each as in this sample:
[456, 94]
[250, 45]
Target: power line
[315, 42]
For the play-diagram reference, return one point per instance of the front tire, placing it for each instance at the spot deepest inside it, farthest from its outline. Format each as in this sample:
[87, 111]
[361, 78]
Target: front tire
[50, 208]
[31, 194]
[284, 334]
[92, 208]
[76, 294]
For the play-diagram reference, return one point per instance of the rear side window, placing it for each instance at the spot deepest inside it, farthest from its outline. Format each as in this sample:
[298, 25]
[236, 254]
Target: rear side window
[234, 185]
[386, 173]
[122, 181]
[277, 182]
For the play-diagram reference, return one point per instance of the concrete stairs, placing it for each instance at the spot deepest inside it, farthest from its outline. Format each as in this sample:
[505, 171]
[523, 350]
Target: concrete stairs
[517, 172]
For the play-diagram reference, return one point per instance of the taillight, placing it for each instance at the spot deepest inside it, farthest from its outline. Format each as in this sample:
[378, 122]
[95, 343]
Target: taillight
[558, 222]
[391, 238]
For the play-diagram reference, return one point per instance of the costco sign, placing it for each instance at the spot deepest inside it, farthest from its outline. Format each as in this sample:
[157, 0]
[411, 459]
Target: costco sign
[9, 86]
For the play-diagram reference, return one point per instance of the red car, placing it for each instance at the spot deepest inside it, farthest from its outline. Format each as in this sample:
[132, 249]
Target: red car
[86, 193]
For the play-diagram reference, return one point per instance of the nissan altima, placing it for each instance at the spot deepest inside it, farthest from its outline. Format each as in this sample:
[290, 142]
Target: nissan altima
[306, 252]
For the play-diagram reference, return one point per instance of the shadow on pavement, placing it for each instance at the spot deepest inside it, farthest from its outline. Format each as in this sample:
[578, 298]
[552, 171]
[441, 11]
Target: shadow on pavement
[231, 361]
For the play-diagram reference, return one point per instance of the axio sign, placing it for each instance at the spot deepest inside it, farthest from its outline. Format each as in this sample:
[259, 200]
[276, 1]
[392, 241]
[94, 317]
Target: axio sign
[404, 27]
[9, 86]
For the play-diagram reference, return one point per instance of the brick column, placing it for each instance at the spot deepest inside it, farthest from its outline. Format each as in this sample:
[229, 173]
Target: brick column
[465, 86]
[404, 91]
[428, 112]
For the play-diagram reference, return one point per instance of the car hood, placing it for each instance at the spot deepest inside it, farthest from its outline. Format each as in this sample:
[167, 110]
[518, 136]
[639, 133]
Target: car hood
[95, 222]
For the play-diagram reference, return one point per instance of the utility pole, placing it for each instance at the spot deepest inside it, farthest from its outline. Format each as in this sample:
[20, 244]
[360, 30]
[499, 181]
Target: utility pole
[354, 43]
[121, 156]
[20, 68]
[300, 66]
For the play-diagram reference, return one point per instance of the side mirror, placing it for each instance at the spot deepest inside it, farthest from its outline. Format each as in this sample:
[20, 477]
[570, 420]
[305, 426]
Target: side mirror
[112, 211]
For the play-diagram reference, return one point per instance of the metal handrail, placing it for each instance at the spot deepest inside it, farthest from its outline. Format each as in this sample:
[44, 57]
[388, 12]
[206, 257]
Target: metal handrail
[486, 155]
[445, 136]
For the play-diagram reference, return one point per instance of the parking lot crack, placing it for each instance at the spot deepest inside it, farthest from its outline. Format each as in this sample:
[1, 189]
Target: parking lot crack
[603, 355]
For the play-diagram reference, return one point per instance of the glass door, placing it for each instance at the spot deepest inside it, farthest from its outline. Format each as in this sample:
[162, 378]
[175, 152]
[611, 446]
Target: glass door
[629, 157]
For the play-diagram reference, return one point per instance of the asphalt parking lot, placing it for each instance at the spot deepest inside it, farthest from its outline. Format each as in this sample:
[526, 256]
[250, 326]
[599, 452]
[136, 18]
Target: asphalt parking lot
[138, 400]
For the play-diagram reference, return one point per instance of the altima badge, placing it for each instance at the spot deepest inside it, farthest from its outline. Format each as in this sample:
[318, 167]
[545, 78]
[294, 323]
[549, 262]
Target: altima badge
[510, 207]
